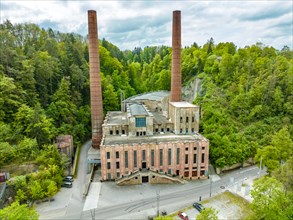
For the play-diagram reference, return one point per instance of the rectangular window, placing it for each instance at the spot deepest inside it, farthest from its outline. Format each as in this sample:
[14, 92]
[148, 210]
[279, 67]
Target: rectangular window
[143, 154]
[168, 129]
[108, 155]
[161, 157]
[135, 159]
[162, 129]
[126, 159]
[192, 130]
[186, 158]
[203, 148]
[117, 165]
[202, 158]
[194, 158]
[118, 174]
[178, 156]
[152, 157]
[180, 130]
[192, 119]
[117, 132]
[109, 176]
[111, 132]
[117, 154]
[169, 156]
[157, 130]
[140, 122]
[186, 130]
[123, 131]
[186, 119]
[108, 165]
[180, 119]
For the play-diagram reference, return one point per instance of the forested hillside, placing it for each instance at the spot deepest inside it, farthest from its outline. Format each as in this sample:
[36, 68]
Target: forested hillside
[246, 99]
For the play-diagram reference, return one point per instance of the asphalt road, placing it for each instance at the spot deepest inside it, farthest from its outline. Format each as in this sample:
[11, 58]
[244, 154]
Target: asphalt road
[171, 198]
[77, 200]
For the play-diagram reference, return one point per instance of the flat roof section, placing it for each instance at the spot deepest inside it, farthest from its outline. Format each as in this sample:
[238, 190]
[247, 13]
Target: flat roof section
[137, 109]
[183, 104]
[113, 140]
[117, 118]
[159, 118]
[156, 96]
[93, 153]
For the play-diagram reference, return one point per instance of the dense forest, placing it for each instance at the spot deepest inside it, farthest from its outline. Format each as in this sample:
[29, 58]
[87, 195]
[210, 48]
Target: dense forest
[246, 97]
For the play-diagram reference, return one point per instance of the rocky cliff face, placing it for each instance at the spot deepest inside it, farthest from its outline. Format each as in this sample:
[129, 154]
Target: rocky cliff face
[190, 91]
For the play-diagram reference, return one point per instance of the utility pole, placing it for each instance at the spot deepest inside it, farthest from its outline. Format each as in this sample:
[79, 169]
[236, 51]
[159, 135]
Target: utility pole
[211, 182]
[260, 166]
[122, 97]
[158, 199]
[93, 214]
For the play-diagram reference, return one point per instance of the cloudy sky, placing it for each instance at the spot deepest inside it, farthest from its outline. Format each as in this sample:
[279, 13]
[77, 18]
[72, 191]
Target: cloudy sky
[139, 23]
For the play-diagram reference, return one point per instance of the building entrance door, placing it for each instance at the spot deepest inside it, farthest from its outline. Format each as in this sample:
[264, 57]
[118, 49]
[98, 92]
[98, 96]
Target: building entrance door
[145, 179]
[143, 165]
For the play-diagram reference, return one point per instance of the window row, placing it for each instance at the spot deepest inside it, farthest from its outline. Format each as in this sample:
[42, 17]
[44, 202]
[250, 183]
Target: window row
[152, 162]
[187, 119]
[186, 130]
[153, 153]
[117, 132]
[162, 130]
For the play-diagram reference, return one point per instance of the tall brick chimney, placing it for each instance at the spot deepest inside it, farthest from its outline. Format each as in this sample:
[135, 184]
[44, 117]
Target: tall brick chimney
[176, 58]
[95, 80]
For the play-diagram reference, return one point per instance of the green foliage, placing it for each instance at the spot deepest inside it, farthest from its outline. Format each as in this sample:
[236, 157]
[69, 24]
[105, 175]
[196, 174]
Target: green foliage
[43, 183]
[10, 98]
[26, 149]
[270, 200]
[245, 99]
[208, 214]
[18, 212]
[284, 174]
[163, 218]
[280, 150]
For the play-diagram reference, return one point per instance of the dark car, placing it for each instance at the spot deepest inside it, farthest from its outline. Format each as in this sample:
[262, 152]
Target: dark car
[66, 184]
[183, 215]
[198, 206]
[68, 179]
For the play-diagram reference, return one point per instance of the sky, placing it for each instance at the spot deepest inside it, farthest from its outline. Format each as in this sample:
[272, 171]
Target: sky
[138, 23]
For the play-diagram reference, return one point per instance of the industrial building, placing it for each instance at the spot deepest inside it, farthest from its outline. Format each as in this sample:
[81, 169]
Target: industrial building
[156, 138]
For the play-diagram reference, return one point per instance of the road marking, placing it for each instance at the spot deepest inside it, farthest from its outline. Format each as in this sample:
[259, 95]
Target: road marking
[248, 170]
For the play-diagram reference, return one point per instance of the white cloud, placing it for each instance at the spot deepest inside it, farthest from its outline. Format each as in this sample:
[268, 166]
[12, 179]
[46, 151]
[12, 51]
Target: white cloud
[130, 24]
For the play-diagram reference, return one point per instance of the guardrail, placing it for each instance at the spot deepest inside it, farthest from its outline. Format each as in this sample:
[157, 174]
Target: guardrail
[75, 161]
[88, 183]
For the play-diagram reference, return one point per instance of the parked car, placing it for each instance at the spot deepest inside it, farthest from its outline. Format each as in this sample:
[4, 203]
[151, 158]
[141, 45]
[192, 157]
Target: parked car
[68, 179]
[66, 184]
[183, 215]
[198, 206]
